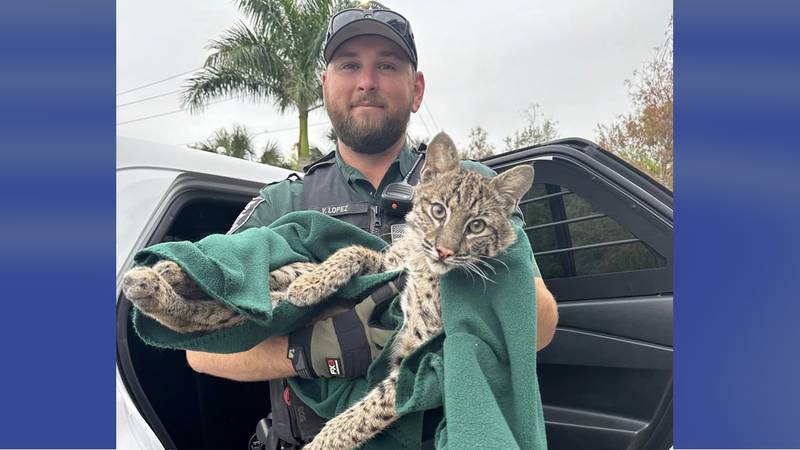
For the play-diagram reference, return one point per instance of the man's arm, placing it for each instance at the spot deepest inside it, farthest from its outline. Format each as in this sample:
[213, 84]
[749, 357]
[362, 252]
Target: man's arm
[265, 361]
[546, 315]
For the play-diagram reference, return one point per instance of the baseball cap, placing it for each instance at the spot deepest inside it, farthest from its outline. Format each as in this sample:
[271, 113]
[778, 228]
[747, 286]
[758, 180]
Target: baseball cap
[353, 22]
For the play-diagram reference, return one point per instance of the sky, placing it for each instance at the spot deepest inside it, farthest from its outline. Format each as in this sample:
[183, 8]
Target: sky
[483, 65]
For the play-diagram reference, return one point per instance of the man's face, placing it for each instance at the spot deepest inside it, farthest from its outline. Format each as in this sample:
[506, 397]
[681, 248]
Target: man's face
[370, 91]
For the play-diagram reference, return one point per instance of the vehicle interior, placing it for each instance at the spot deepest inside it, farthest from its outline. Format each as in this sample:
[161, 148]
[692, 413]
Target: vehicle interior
[602, 237]
[186, 409]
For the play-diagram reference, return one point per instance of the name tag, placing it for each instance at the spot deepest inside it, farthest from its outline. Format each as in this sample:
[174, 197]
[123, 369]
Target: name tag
[348, 208]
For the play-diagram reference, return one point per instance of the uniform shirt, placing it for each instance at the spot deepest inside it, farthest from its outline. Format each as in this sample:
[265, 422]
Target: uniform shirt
[283, 197]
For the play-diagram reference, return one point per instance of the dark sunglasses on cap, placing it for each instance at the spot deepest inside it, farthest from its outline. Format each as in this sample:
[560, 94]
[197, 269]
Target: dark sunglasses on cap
[392, 19]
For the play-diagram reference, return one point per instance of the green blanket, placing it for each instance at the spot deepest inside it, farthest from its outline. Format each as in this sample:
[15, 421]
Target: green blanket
[482, 368]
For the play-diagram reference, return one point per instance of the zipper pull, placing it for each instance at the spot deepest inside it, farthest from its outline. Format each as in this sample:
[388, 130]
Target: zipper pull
[375, 226]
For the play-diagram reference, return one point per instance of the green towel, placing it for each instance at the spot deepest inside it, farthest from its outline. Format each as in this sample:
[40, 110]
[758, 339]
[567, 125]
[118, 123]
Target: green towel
[482, 368]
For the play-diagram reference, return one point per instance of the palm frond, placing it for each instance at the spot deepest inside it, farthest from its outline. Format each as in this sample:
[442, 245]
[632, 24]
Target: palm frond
[241, 48]
[277, 56]
[267, 16]
[213, 83]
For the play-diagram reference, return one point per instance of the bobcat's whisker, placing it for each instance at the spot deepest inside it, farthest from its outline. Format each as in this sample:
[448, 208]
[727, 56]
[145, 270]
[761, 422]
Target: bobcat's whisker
[472, 267]
[489, 266]
[469, 271]
[499, 261]
[473, 261]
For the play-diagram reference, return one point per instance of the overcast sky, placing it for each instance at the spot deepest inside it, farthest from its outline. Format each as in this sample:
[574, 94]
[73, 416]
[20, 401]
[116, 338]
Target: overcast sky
[483, 65]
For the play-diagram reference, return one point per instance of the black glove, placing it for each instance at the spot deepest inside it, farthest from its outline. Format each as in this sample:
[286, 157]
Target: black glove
[345, 344]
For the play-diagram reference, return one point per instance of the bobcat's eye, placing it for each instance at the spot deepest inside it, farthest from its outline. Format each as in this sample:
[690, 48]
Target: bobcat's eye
[438, 211]
[476, 226]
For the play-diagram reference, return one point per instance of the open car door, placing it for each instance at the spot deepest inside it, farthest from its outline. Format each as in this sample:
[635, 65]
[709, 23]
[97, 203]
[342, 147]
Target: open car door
[601, 231]
[602, 234]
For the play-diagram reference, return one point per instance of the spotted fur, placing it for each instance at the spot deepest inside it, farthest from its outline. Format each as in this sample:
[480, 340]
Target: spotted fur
[166, 294]
[465, 197]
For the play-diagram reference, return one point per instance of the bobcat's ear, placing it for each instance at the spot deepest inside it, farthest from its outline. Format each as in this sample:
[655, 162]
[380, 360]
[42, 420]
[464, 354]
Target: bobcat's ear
[440, 157]
[512, 185]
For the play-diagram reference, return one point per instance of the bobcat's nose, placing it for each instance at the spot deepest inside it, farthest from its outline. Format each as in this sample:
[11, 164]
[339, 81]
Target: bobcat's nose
[443, 252]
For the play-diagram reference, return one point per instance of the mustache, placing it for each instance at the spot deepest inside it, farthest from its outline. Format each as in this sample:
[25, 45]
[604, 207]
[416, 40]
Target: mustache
[368, 100]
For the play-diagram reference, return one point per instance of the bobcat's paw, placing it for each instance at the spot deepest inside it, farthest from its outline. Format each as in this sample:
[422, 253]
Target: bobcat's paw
[172, 273]
[282, 277]
[277, 297]
[140, 284]
[307, 289]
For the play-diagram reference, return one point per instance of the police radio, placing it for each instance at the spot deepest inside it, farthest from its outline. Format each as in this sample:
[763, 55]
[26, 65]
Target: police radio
[397, 198]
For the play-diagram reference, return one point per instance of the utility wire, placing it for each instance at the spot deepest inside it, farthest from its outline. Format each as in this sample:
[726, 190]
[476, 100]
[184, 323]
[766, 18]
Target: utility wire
[431, 114]
[150, 98]
[276, 131]
[158, 82]
[173, 112]
[288, 129]
[428, 131]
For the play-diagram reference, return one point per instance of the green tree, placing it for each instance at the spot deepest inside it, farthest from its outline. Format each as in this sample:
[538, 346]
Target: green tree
[235, 142]
[315, 153]
[273, 156]
[331, 139]
[538, 129]
[644, 137]
[478, 146]
[276, 57]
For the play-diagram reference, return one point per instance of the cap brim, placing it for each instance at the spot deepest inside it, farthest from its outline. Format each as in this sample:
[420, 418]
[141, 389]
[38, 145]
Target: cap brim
[364, 27]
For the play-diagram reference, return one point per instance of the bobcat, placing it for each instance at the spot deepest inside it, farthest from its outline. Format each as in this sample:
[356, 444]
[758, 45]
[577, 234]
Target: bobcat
[459, 219]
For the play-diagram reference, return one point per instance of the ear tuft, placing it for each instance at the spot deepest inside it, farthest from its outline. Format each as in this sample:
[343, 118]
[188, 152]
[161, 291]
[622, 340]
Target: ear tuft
[513, 184]
[440, 157]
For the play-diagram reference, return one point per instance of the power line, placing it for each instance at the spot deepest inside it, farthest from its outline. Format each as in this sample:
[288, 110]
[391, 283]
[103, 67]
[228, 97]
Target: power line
[172, 112]
[278, 130]
[150, 98]
[421, 119]
[288, 129]
[431, 114]
[157, 82]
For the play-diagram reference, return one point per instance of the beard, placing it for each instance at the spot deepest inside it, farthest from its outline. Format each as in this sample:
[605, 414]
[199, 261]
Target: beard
[369, 135]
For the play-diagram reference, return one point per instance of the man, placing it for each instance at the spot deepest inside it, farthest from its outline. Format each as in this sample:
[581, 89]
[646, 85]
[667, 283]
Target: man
[370, 86]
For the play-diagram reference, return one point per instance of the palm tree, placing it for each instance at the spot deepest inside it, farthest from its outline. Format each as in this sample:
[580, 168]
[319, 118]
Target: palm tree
[277, 57]
[272, 155]
[236, 142]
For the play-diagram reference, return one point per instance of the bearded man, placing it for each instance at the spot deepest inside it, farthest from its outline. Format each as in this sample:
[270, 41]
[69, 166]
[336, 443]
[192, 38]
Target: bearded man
[371, 86]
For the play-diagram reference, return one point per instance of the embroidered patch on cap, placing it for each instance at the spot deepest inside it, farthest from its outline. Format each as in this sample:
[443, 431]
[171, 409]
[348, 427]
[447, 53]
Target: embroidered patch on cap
[334, 366]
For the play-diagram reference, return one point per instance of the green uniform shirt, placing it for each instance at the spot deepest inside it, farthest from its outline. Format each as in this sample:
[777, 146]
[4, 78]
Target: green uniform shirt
[277, 199]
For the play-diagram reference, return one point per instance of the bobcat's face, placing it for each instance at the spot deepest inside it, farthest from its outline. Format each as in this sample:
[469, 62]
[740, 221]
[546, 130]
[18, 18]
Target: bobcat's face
[459, 221]
[461, 217]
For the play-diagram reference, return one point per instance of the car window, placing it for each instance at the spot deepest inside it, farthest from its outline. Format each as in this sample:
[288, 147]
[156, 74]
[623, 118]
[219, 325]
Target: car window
[592, 237]
[571, 237]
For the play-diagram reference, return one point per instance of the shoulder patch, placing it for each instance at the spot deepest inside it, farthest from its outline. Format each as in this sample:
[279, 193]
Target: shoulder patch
[245, 214]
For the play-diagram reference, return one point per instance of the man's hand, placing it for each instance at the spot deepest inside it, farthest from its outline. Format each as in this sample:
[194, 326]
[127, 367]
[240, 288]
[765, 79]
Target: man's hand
[268, 360]
[546, 315]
